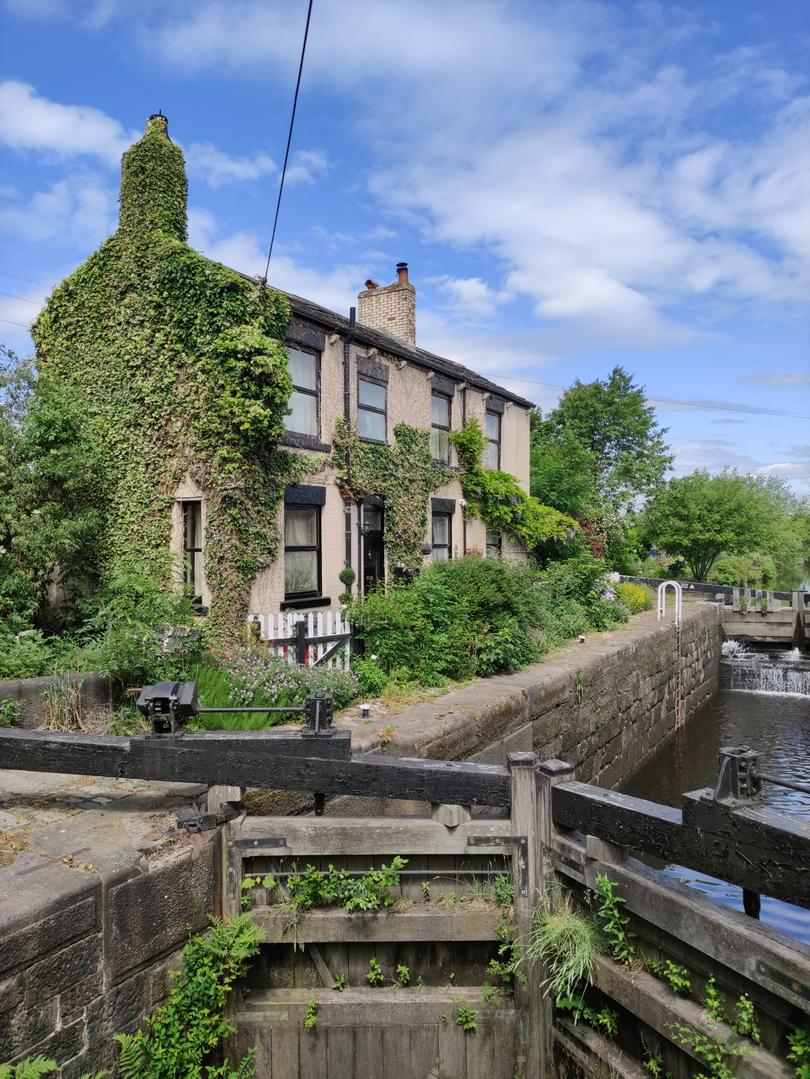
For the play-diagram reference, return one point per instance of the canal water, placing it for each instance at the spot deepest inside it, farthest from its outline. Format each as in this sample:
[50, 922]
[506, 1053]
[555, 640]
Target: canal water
[778, 727]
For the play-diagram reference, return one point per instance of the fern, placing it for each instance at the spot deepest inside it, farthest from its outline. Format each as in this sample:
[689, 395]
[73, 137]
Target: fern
[29, 1069]
[133, 1060]
[182, 1034]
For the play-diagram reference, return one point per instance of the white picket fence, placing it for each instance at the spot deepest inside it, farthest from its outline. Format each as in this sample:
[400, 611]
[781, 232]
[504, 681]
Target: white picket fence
[324, 631]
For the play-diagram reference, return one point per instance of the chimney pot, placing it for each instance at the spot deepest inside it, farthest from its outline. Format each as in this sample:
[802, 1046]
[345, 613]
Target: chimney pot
[371, 284]
[402, 273]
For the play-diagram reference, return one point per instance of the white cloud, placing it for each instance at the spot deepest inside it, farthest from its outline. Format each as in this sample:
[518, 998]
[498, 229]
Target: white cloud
[31, 122]
[470, 296]
[335, 289]
[777, 378]
[77, 209]
[306, 166]
[219, 168]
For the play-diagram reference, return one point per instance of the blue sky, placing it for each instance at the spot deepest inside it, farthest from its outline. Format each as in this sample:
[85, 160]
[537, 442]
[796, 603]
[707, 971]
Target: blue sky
[574, 185]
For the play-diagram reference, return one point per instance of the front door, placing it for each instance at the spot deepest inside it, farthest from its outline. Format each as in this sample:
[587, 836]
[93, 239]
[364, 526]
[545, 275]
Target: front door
[373, 548]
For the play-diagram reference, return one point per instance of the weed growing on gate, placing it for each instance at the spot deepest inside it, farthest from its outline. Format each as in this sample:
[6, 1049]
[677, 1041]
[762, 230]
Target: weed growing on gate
[799, 1053]
[567, 942]
[613, 921]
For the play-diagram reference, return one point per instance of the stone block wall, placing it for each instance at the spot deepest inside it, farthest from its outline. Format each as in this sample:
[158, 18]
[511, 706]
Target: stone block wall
[605, 705]
[86, 956]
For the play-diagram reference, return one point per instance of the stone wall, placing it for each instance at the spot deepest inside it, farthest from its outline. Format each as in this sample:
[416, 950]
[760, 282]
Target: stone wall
[85, 950]
[94, 690]
[605, 705]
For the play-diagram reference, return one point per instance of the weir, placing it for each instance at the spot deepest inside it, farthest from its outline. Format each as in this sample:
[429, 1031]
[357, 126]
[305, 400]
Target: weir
[765, 670]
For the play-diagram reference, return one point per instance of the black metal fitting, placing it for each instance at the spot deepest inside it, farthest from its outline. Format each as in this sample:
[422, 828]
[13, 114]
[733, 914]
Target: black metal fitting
[738, 778]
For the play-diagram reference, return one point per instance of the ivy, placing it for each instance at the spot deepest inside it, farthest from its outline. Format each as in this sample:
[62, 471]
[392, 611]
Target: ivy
[499, 500]
[404, 475]
[179, 366]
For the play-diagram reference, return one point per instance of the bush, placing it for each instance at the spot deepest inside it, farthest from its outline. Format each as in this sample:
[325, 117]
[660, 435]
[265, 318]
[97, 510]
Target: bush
[23, 655]
[635, 597]
[140, 633]
[252, 676]
[477, 616]
[754, 570]
[372, 678]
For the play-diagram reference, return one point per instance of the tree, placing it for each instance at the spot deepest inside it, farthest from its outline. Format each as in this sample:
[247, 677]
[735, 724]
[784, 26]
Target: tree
[700, 516]
[562, 471]
[613, 423]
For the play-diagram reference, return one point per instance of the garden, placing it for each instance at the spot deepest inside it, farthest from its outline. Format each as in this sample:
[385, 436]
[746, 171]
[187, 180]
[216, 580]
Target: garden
[458, 620]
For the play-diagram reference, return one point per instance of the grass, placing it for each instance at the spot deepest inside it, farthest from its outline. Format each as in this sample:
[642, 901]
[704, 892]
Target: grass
[567, 941]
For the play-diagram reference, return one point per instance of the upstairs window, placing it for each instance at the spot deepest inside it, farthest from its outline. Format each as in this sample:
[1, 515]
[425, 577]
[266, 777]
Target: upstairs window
[193, 550]
[440, 427]
[441, 537]
[303, 366]
[492, 445]
[302, 551]
[372, 400]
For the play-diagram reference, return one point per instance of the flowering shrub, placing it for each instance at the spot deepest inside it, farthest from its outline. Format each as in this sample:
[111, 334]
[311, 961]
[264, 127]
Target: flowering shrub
[253, 676]
[635, 597]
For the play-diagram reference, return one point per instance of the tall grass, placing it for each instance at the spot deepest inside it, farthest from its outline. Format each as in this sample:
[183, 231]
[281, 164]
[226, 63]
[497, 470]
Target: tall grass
[567, 941]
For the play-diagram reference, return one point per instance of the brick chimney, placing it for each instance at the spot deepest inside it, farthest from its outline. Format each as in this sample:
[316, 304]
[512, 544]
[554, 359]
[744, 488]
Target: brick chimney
[390, 308]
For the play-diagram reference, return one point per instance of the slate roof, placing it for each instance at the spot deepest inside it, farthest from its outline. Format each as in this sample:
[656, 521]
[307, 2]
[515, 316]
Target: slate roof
[364, 335]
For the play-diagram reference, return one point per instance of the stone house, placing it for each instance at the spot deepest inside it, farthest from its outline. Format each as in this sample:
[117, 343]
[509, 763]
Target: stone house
[368, 370]
[182, 367]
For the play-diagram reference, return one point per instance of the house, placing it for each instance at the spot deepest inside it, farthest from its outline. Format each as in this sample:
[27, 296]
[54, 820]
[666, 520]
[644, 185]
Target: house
[182, 366]
[370, 372]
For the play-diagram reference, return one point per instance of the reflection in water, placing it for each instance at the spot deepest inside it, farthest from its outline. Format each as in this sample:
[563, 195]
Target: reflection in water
[778, 727]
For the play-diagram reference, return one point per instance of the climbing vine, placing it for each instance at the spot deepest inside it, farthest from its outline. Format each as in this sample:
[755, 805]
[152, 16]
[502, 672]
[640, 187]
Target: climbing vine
[179, 364]
[499, 500]
[404, 475]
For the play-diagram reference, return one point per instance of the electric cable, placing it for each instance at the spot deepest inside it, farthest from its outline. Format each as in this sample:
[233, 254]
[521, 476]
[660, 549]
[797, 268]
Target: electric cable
[289, 142]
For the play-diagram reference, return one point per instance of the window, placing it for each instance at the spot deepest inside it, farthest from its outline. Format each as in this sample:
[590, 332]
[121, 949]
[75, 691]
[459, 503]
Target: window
[303, 420]
[440, 427]
[193, 550]
[302, 551]
[494, 544]
[441, 536]
[371, 404]
[492, 446]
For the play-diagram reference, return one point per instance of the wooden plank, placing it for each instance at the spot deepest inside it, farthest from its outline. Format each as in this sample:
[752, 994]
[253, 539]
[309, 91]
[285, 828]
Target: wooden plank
[452, 1047]
[396, 1041]
[284, 1050]
[654, 1004]
[422, 922]
[774, 851]
[312, 1052]
[248, 759]
[597, 1056]
[526, 880]
[325, 836]
[777, 963]
[368, 1052]
[424, 1050]
[752, 845]
[340, 1051]
[362, 1006]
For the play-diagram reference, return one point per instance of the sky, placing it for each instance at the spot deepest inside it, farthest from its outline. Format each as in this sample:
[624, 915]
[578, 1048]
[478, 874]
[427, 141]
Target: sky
[574, 185]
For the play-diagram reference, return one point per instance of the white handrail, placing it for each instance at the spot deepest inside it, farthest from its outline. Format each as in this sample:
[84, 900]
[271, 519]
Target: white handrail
[662, 600]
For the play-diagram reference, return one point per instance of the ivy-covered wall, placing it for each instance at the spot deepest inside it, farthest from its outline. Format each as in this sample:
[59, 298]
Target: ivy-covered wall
[180, 366]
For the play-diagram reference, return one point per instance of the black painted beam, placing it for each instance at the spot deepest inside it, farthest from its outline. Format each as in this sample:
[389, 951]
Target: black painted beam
[747, 845]
[272, 760]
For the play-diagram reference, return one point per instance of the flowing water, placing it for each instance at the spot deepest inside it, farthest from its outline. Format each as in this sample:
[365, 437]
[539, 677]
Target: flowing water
[778, 727]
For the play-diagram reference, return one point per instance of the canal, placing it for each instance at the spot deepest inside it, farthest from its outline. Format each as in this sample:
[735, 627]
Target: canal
[778, 726]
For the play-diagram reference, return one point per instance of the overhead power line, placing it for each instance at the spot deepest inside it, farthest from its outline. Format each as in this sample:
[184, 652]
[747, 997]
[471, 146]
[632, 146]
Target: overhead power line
[12, 323]
[17, 277]
[24, 299]
[289, 140]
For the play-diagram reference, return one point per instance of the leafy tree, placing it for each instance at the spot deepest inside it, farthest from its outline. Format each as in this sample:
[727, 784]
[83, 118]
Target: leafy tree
[700, 516]
[54, 499]
[612, 422]
[563, 472]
